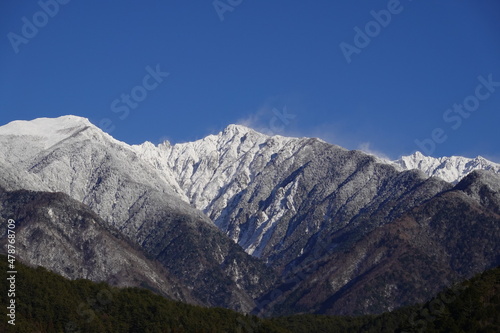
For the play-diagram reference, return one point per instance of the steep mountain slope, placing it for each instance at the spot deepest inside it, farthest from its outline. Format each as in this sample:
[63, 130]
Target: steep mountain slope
[344, 231]
[451, 169]
[444, 240]
[482, 187]
[61, 234]
[470, 306]
[276, 195]
[325, 217]
[50, 303]
[70, 155]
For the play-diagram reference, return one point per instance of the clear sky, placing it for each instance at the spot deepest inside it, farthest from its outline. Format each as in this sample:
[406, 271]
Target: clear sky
[373, 75]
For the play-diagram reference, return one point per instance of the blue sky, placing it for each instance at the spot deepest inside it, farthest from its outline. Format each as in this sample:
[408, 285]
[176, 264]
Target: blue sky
[373, 75]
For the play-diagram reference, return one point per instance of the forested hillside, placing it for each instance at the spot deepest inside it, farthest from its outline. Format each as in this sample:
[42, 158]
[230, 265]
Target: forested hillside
[47, 302]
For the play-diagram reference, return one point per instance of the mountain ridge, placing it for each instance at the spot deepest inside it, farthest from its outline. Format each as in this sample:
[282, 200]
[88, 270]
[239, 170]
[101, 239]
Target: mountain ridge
[240, 217]
[449, 168]
[432, 166]
[143, 204]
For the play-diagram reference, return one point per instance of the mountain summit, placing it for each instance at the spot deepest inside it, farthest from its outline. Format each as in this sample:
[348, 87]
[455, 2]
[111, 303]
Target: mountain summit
[48, 131]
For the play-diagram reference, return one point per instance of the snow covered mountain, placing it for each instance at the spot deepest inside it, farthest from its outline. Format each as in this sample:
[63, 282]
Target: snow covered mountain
[291, 203]
[214, 170]
[65, 236]
[70, 155]
[49, 150]
[217, 172]
[296, 202]
[451, 169]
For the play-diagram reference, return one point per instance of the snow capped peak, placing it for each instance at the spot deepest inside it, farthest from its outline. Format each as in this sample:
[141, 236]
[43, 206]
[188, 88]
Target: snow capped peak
[235, 128]
[48, 131]
[233, 132]
[230, 152]
[43, 126]
[451, 169]
[417, 154]
[218, 166]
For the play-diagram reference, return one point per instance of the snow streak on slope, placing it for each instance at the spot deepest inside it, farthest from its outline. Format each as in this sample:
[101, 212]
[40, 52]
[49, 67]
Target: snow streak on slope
[451, 169]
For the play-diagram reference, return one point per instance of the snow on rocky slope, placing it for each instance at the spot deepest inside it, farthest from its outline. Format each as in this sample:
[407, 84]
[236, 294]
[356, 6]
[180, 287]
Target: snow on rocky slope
[41, 147]
[451, 169]
[142, 200]
[210, 174]
[217, 172]
[284, 200]
[217, 167]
